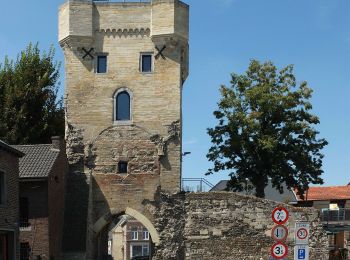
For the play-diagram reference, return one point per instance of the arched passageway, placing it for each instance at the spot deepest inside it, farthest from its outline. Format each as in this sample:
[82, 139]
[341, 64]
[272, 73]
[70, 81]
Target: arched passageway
[125, 235]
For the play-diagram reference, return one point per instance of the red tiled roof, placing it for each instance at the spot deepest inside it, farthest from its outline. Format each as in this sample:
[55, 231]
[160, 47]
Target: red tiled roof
[327, 193]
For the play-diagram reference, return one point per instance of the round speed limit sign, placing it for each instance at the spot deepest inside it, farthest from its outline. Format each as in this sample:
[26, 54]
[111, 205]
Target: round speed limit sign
[280, 215]
[279, 250]
[302, 233]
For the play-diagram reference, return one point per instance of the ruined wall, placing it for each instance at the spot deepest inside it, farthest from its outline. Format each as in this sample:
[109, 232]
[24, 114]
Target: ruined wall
[221, 225]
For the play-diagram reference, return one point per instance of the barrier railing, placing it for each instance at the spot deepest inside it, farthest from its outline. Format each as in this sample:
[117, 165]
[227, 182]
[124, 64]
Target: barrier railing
[339, 215]
[195, 185]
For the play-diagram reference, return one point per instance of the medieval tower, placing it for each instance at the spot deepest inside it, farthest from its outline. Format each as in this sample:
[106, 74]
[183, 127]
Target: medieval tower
[125, 65]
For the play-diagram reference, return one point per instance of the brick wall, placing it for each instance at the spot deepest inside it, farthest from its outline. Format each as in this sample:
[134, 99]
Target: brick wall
[9, 212]
[56, 201]
[37, 234]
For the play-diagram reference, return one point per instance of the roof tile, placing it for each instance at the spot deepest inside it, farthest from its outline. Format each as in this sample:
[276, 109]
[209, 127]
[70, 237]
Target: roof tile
[38, 160]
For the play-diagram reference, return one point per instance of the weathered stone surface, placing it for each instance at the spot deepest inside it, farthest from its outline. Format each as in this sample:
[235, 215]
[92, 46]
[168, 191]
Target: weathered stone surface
[151, 141]
[224, 225]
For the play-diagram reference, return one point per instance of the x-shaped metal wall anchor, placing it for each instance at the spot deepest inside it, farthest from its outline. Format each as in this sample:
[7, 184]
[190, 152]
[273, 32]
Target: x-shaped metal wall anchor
[160, 52]
[88, 53]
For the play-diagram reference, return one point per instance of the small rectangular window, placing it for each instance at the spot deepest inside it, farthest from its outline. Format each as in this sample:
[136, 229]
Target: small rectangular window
[145, 234]
[2, 189]
[146, 62]
[122, 167]
[101, 64]
[134, 234]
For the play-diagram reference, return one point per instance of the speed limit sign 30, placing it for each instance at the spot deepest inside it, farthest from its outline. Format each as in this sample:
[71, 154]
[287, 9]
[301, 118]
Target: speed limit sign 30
[302, 230]
[279, 250]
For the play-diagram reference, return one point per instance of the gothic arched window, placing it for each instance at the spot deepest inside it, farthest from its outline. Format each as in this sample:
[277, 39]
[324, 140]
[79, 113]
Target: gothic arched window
[122, 106]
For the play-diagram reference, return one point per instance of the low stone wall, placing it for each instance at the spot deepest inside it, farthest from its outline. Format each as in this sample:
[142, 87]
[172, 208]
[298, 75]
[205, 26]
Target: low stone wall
[226, 225]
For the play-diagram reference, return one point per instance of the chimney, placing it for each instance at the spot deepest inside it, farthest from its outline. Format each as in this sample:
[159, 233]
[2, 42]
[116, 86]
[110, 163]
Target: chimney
[57, 142]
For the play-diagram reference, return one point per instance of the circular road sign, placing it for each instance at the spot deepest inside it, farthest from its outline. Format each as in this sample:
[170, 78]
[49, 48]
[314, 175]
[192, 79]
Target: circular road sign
[280, 215]
[279, 250]
[279, 233]
[302, 233]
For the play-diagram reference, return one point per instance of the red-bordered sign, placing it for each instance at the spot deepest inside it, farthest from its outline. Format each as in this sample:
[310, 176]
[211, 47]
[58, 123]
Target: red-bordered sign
[279, 233]
[302, 233]
[279, 250]
[280, 215]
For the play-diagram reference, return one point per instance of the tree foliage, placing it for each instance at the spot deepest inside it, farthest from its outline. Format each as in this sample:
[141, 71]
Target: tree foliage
[29, 109]
[266, 130]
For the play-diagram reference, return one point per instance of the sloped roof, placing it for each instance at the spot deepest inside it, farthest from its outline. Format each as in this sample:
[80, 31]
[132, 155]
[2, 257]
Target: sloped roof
[4, 146]
[327, 193]
[271, 193]
[38, 160]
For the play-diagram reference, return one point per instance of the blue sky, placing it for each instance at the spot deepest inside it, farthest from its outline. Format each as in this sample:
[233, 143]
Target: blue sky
[313, 35]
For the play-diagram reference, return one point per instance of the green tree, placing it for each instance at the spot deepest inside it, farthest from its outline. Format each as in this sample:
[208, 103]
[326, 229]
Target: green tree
[265, 130]
[30, 111]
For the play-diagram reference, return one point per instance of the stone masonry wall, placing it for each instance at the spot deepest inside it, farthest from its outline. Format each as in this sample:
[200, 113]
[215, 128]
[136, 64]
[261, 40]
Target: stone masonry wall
[221, 225]
[150, 142]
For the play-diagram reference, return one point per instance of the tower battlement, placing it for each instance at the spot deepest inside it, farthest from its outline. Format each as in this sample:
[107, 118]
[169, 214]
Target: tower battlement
[82, 19]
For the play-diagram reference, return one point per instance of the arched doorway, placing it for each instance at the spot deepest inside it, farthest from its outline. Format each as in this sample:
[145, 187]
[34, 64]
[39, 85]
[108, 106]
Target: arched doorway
[127, 235]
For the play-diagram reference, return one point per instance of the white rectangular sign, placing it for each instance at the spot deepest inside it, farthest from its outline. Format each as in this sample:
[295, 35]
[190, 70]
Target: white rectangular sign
[301, 252]
[301, 234]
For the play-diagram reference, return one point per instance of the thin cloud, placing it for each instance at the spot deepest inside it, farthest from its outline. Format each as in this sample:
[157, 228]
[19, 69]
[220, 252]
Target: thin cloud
[191, 141]
[326, 11]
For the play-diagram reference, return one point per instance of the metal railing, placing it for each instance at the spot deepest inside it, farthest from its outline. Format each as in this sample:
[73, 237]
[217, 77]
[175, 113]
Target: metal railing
[339, 215]
[195, 185]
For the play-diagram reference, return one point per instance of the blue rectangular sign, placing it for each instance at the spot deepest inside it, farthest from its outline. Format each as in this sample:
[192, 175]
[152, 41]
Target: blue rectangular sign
[301, 252]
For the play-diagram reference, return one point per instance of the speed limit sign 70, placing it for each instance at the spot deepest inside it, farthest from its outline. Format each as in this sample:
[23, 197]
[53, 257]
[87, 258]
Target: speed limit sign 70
[279, 250]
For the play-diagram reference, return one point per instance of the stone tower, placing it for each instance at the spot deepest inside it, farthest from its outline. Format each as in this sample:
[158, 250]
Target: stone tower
[125, 65]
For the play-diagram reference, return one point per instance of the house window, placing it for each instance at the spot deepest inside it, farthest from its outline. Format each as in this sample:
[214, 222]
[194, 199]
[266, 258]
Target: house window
[145, 234]
[24, 251]
[2, 189]
[139, 250]
[134, 234]
[101, 64]
[23, 212]
[146, 62]
[145, 250]
[122, 106]
[122, 167]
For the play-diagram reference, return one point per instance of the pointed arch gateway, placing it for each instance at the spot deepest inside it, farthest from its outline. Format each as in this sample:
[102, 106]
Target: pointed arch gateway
[106, 219]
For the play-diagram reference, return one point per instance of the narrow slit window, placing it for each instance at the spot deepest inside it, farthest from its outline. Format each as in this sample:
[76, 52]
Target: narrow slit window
[146, 63]
[101, 64]
[123, 106]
